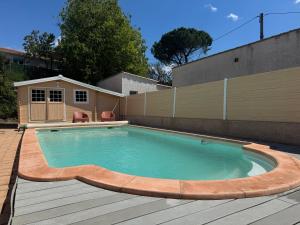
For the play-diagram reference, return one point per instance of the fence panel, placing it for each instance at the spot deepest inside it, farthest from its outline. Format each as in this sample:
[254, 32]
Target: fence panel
[160, 103]
[272, 96]
[200, 101]
[135, 105]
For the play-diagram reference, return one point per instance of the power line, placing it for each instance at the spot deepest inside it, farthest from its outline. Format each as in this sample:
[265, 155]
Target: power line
[280, 13]
[240, 26]
[249, 21]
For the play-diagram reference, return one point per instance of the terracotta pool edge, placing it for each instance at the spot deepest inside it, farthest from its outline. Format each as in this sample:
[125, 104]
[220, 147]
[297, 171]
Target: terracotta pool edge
[33, 166]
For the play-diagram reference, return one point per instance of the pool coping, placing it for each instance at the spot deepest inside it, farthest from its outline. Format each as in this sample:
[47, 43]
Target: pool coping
[33, 166]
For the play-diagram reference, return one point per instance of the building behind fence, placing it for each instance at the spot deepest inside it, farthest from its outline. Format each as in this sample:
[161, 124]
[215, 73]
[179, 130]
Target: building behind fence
[263, 106]
[277, 52]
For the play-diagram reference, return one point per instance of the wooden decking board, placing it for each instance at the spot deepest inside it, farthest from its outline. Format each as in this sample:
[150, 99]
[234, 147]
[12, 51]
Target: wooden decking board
[60, 202]
[293, 198]
[71, 208]
[289, 215]
[252, 214]
[90, 213]
[29, 187]
[49, 191]
[220, 211]
[175, 212]
[133, 212]
[54, 196]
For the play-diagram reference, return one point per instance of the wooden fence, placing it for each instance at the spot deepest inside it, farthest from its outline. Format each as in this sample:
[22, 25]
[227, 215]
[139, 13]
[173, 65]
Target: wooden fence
[272, 96]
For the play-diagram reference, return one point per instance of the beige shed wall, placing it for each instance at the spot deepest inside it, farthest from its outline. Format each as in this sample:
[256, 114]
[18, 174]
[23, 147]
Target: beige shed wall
[103, 101]
[106, 102]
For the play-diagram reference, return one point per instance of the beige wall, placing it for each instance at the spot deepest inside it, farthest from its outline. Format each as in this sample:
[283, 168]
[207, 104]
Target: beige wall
[97, 101]
[106, 102]
[200, 101]
[274, 53]
[135, 104]
[159, 103]
[272, 96]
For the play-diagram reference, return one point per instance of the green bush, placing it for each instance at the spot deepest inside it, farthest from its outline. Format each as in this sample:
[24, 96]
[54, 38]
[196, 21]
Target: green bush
[8, 98]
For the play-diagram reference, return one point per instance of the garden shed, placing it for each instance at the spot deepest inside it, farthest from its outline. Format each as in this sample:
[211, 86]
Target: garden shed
[55, 99]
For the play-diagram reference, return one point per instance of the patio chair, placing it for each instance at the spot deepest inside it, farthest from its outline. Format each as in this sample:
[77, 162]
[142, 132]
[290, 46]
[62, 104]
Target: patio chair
[80, 117]
[108, 116]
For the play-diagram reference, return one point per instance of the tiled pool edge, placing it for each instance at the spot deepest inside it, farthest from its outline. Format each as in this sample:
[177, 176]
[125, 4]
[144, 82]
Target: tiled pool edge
[285, 176]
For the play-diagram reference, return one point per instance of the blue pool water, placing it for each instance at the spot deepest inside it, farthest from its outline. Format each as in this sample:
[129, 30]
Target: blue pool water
[149, 153]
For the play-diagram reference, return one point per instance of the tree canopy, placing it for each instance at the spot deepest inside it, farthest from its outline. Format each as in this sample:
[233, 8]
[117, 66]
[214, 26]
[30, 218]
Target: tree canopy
[39, 46]
[179, 46]
[161, 73]
[97, 41]
[8, 101]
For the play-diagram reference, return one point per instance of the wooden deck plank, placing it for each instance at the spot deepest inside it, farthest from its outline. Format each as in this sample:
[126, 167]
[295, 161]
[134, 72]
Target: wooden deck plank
[71, 208]
[49, 191]
[289, 216]
[97, 211]
[133, 212]
[293, 197]
[220, 211]
[60, 202]
[174, 213]
[54, 196]
[35, 186]
[252, 214]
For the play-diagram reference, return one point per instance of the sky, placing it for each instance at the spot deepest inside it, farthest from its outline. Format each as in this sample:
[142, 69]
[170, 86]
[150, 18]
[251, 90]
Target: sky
[156, 17]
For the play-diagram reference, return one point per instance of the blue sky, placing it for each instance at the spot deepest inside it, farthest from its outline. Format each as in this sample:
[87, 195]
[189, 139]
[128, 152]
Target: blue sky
[156, 17]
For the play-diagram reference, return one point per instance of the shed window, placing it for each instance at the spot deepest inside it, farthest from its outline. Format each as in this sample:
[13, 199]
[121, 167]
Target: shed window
[133, 92]
[37, 95]
[81, 96]
[55, 96]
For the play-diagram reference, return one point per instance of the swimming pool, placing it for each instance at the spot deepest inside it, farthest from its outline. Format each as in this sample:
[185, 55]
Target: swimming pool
[160, 163]
[150, 153]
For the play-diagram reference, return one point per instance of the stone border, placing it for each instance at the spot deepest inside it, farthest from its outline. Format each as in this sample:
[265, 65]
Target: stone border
[286, 176]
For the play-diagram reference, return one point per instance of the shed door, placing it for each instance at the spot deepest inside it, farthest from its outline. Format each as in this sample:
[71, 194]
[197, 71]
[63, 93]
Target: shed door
[38, 104]
[55, 104]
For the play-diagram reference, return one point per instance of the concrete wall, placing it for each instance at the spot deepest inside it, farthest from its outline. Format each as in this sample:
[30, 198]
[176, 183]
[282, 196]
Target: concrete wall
[126, 82]
[139, 84]
[264, 131]
[113, 83]
[278, 52]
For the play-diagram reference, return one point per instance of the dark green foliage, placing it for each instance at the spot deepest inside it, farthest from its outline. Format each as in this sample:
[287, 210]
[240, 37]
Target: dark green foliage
[8, 104]
[98, 41]
[40, 46]
[180, 45]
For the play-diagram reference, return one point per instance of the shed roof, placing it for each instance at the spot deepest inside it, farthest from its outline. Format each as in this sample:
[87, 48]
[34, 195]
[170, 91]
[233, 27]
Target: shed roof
[62, 78]
[12, 51]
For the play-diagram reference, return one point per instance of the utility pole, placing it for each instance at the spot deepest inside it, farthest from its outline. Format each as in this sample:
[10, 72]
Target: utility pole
[261, 21]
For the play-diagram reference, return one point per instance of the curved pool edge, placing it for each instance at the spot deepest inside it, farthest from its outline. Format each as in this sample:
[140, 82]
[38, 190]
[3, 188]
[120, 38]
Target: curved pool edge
[286, 176]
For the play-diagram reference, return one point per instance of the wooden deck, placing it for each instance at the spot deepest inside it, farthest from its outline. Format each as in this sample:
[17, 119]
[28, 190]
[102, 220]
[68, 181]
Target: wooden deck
[74, 202]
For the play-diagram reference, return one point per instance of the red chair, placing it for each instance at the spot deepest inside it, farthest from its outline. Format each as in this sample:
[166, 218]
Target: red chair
[80, 117]
[108, 116]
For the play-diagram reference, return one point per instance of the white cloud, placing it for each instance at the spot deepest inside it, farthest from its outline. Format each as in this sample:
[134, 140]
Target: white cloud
[297, 1]
[233, 17]
[57, 40]
[211, 7]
